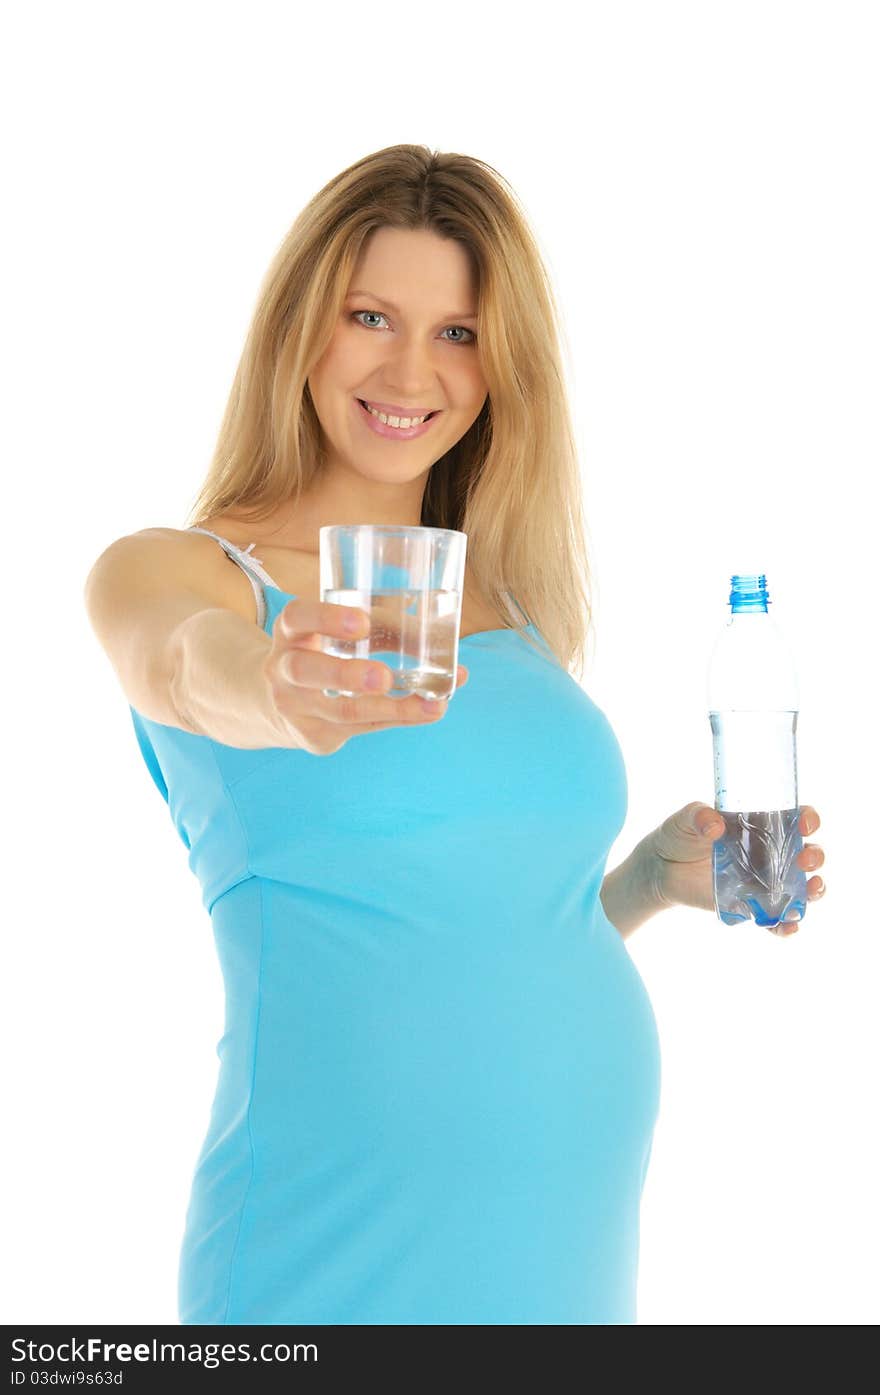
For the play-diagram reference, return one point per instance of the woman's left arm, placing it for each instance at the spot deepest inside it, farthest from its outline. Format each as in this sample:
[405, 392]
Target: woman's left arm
[672, 866]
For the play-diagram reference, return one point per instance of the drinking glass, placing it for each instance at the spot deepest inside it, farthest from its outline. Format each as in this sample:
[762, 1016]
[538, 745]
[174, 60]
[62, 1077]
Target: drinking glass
[410, 582]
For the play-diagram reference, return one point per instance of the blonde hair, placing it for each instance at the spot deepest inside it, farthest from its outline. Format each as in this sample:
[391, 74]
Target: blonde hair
[512, 482]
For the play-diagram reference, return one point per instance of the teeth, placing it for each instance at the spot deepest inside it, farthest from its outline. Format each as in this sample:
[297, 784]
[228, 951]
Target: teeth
[402, 422]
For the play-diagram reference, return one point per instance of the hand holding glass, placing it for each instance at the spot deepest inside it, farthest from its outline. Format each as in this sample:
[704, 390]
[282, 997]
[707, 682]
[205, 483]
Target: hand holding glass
[410, 582]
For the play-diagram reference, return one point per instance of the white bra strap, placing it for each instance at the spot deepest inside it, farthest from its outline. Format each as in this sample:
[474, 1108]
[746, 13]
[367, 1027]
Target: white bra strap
[250, 566]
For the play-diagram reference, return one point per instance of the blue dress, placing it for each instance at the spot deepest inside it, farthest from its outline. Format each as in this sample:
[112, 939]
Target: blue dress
[439, 1076]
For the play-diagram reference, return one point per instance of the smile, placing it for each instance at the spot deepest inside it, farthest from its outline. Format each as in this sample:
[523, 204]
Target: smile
[384, 428]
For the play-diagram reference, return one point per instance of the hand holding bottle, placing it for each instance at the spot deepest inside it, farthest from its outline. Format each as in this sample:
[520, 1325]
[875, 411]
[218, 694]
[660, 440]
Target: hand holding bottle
[681, 855]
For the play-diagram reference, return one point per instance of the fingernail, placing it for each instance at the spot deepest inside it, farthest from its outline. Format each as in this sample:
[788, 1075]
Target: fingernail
[353, 623]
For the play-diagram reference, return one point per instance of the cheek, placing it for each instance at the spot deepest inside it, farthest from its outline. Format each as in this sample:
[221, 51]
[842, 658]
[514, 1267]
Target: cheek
[473, 372]
[349, 358]
[477, 389]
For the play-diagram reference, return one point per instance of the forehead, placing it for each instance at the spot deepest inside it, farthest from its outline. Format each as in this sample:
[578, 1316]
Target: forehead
[416, 270]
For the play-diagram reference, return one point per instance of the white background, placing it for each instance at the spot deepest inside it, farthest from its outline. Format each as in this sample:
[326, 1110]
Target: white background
[703, 182]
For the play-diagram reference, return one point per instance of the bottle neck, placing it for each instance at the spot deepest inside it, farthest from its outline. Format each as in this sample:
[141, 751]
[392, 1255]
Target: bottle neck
[748, 594]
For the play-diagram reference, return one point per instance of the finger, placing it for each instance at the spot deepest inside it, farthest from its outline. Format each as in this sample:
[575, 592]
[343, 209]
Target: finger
[351, 708]
[304, 623]
[367, 712]
[312, 668]
[810, 855]
[314, 673]
[792, 920]
[809, 820]
[302, 620]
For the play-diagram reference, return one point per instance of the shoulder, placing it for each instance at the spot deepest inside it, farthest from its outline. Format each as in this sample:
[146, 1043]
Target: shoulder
[196, 559]
[161, 544]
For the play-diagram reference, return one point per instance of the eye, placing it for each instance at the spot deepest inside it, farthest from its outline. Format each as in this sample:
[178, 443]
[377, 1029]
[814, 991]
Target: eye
[379, 315]
[466, 330]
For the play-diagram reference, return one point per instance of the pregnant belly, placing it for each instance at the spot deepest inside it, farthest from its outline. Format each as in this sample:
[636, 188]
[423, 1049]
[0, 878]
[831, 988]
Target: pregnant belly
[449, 1128]
[501, 1055]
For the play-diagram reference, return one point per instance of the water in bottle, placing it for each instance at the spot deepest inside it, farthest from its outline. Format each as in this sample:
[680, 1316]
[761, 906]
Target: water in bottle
[753, 711]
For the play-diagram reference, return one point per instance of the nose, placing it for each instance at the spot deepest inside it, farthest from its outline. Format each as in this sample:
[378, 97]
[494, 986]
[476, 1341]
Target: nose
[409, 374]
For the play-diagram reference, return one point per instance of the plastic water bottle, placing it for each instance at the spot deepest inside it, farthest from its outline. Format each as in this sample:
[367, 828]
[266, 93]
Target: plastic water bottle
[753, 710]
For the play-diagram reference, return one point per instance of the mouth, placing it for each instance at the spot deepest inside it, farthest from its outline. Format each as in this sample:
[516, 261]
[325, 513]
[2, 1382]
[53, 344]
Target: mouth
[383, 428]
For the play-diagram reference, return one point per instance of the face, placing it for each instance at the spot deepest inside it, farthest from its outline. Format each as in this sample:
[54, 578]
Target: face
[406, 338]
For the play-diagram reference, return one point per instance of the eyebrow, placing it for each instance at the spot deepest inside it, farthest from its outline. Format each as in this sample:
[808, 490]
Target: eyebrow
[453, 315]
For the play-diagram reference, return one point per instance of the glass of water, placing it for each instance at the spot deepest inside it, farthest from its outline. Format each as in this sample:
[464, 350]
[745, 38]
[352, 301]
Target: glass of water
[410, 582]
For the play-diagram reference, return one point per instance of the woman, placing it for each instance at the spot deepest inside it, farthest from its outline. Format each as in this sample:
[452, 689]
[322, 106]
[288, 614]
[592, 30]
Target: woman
[440, 1073]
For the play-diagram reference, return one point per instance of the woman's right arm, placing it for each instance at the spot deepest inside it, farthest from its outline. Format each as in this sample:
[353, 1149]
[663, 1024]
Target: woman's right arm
[186, 656]
[162, 607]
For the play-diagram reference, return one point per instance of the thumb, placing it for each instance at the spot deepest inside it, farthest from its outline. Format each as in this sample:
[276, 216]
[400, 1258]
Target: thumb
[706, 820]
[680, 837]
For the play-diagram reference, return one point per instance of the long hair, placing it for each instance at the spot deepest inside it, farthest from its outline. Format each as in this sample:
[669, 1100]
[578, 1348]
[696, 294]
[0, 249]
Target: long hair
[512, 482]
